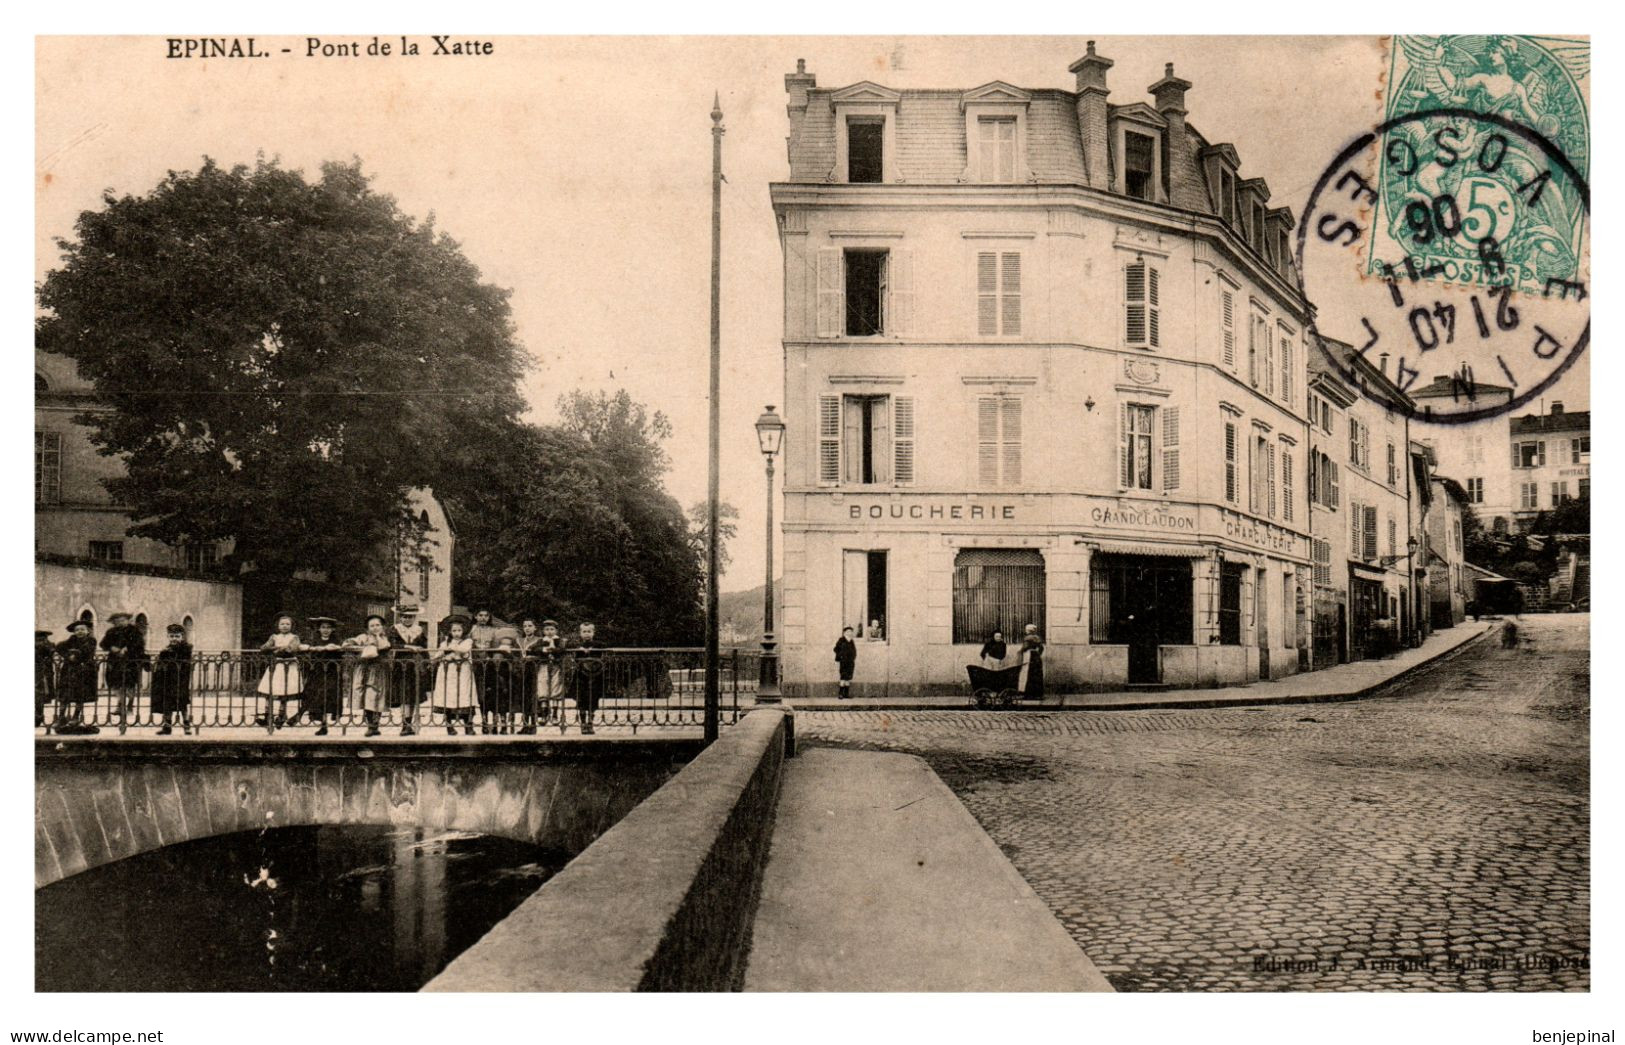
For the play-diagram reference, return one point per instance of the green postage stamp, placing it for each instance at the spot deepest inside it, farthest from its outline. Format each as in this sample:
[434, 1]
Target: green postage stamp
[1468, 194]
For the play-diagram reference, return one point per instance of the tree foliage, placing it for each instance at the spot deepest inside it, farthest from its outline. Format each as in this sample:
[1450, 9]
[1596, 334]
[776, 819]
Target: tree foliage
[699, 528]
[571, 521]
[284, 359]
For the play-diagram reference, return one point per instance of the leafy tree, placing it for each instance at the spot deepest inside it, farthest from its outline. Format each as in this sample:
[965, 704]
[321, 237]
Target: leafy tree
[570, 521]
[283, 359]
[699, 525]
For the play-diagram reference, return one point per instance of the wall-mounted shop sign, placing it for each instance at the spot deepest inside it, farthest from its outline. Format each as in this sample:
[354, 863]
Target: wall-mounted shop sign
[926, 511]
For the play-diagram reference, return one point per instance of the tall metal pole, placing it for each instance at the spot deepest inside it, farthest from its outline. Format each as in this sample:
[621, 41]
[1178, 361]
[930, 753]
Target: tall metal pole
[712, 696]
[767, 689]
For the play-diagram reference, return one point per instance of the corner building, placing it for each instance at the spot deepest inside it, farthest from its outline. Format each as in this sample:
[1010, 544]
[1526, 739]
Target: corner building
[1044, 363]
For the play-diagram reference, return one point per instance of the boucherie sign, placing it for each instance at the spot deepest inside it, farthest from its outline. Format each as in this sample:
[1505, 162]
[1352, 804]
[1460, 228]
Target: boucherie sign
[928, 510]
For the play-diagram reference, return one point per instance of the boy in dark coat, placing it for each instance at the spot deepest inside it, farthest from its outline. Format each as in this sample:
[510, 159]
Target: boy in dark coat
[587, 674]
[846, 656]
[172, 682]
[76, 679]
[44, 674]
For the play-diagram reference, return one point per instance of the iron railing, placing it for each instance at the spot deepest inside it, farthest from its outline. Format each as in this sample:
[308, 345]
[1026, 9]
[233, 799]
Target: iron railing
[486, 692]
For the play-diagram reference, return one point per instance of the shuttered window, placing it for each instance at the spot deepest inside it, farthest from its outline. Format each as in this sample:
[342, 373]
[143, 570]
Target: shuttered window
[1356, 520]
[1232, 488]
[1393, 536]
[1227, 307]
[1370, 551]
[829, 439]
[1170, 448]
[996, 142]
[831, 313]
[1269, 468]
[998, 440]
[1269, 357]
[1286, 484]
[1141, 297]
[998, 293]
[1252, 352]
[1287, 369]
[903, 439]
[997, 589]
[1333, 487]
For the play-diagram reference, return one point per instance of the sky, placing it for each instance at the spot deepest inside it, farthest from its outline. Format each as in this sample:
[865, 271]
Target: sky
[576, 172]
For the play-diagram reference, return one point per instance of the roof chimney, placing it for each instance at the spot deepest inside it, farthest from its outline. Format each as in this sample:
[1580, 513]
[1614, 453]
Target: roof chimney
[1092, 109]
[798, 83]
[1557, 407]
[1186, 187]
[1382, 358]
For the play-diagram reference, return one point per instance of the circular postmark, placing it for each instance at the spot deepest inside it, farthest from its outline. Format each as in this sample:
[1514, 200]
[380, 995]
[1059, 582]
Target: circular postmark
[1451, 241]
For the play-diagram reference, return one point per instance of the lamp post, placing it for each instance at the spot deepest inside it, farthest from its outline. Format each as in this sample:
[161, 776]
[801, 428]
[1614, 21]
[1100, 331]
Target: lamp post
[770, 436]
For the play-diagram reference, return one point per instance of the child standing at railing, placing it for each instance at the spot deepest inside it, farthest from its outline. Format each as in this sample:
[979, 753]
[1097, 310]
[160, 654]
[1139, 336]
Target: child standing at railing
[76, 681]
[454, 678]
[126, 648]
[282, 680]
[44, 674]
[324, 690]
[172, 682]
[369, 686]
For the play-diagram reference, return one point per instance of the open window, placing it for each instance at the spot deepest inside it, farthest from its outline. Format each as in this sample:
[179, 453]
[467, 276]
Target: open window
[865, 149]
[864, 594]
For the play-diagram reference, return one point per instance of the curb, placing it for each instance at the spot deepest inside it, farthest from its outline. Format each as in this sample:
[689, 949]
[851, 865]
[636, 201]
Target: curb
[1197, 703]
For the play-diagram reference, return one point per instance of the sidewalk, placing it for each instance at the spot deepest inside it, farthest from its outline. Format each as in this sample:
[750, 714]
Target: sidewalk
[1344, 682]
[879, 879]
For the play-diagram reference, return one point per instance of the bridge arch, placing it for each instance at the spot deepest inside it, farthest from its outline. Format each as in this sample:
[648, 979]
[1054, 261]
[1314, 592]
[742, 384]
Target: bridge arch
[101, 800]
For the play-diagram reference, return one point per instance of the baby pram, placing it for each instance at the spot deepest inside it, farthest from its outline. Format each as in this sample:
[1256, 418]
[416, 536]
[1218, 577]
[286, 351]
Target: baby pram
[994, 687]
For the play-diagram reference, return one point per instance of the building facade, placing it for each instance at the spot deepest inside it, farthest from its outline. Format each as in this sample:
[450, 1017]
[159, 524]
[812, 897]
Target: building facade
[1551, 461]
[1447, 578]
[1044, 364]
[1476, 453]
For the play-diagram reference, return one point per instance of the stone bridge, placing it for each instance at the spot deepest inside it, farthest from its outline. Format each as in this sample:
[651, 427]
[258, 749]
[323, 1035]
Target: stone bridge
[103, 799]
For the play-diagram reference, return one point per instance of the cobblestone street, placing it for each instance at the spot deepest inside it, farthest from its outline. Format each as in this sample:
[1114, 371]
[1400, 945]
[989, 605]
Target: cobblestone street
[1433, 838]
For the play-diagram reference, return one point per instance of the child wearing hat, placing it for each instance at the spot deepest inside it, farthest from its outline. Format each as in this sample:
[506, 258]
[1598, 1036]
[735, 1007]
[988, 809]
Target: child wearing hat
[172, 682]
[76, 679]
[324, 690]
[126, 648]
[282, 680]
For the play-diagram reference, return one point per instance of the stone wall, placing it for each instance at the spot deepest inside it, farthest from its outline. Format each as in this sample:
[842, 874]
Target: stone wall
[97, 801]
[664, 900]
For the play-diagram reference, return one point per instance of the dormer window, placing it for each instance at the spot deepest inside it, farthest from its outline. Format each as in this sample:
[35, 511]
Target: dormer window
[1227, 195]
[865, 149]
[1139, 165]
[1258, 227]
[996, 146]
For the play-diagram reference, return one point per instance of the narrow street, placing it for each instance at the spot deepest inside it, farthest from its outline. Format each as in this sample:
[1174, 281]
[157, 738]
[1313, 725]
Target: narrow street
[1435, 838]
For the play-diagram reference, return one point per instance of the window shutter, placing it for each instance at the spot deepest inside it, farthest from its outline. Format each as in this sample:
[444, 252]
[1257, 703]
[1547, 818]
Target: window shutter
[902, 293]
[1269, 360]
[1134, 297]
[1125, 448]
[987, 294]
[1287, 371]
[829, 439]
[880, 444]
[1269, 471]
[903, 439]
[1316, 493]
[1010, 435]
[1516, 459]
[1286, 485]
[987, 440]
[1153, 308]
[852, 438]
[1010, 295]
[1356, 520]
[1336, 489]
[1393, 536]
[1540, 452]
[1354, 442]
[1370, 531]
[829, 292]
[1252, 351]
[1230, 491]
[1170, 448]
[1228, 307]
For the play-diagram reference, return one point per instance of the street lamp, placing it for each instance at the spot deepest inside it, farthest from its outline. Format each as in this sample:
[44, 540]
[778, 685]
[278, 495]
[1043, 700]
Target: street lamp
[770, 436]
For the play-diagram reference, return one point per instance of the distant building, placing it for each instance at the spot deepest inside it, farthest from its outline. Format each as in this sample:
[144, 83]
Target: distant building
[1449, 586]
[87, 566]
[1044, 364]
[1551, 460]
[1475, 453]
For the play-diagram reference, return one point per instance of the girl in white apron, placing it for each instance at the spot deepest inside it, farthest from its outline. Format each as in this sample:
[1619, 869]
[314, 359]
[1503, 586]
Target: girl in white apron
[282, 681]
[369, 685]
[454, 678]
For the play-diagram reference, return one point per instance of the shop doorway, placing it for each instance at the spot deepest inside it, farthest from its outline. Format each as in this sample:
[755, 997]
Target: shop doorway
[1144, 603]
